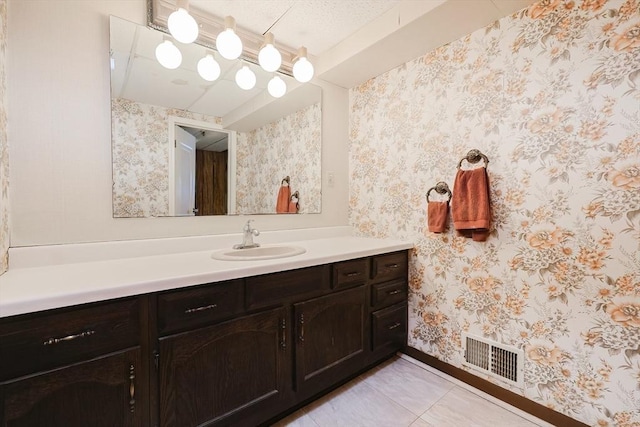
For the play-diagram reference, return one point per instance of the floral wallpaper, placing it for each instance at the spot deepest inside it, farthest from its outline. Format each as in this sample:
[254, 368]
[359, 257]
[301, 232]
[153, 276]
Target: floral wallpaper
[4, 148]
[551, 95]
[141, 157]
[290, 146]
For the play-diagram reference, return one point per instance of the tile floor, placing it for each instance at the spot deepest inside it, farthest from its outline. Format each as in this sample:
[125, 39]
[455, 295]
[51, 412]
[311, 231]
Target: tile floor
[400, 393]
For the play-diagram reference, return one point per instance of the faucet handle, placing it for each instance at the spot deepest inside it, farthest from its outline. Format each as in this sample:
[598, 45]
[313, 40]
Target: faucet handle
[247, 226]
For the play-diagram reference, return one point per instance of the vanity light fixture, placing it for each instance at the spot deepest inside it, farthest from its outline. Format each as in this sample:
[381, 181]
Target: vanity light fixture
[245, 78]
[302, 68]
[227, 42]
[269, 57]
[181, 25]
[277, 87]
[208, 68]
[168, 55]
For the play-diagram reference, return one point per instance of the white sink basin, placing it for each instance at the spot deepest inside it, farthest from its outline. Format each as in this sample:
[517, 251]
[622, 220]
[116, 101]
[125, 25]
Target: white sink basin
[259, 253]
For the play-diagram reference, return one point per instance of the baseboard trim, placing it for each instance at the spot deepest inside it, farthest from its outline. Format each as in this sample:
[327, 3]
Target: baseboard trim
[513, 399]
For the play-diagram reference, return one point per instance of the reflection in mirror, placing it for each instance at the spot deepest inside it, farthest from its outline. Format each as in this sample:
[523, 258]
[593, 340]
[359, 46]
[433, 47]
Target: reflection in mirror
[183, 146]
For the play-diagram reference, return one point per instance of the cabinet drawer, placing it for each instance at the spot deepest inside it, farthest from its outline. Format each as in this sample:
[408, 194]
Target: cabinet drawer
[350, 273]
[389, 267]
[199, 306]
[41, 341]
[277, 288]
[389, 326]
[388, 293]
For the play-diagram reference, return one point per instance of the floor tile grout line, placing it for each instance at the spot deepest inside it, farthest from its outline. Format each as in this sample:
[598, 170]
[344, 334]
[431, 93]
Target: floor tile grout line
[486, 396]
[408, 409]
[398, 359]
[436, 402]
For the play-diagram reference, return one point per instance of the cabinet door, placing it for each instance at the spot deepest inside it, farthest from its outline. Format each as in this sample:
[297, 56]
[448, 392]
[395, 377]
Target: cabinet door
[237, 370]
[100, 392]
[330, 339]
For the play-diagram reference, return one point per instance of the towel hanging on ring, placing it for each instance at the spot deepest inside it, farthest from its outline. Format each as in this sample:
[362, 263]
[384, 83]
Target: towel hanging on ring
[470, 204]
[294, 203]
[438, 211]
[284, 194]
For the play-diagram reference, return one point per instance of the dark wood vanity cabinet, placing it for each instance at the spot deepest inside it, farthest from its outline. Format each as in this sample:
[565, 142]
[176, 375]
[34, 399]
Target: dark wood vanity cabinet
[74, 367]
[330, 339]
[225, 374]
[234, 353]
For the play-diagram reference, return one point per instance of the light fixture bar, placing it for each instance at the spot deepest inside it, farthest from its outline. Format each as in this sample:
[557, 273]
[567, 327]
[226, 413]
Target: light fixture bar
[211, 26]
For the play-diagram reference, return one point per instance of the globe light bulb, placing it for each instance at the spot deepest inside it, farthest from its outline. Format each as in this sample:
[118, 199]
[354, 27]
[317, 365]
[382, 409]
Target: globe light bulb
[168, 55]
[302, 68]
[269, 57]
[208, 68]
[245, 78]
[182, 26]
[277, 87]
[228, 43]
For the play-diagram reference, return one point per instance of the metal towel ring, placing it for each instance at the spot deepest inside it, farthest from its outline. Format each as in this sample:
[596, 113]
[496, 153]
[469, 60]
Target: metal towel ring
[474, 156]
[294, 195]
[441, 188]
[286, 179]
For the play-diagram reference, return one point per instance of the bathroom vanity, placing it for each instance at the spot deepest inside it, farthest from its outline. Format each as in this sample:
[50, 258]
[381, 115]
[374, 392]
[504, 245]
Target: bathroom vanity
[239, 351]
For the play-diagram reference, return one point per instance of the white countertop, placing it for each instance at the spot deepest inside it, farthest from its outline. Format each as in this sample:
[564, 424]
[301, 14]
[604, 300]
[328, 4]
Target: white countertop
[25, 290]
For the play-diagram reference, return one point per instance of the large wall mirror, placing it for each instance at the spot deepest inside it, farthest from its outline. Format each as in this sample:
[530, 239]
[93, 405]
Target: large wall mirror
[184, 146]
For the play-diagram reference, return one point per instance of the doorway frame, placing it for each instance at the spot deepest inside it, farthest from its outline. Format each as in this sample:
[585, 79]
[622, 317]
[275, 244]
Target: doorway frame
[231, 159]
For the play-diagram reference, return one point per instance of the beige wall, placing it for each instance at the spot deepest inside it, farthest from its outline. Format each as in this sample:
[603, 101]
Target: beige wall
[61, 148]
[552, 96]
[4, 148]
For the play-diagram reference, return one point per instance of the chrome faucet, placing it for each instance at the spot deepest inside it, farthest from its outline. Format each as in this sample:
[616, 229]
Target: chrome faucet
[247, 237]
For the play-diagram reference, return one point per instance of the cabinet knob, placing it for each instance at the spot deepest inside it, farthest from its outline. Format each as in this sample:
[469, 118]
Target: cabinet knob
[395, 325]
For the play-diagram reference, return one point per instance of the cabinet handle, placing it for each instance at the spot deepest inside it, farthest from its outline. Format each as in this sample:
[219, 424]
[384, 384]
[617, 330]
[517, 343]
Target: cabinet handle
[392, 266]
[394, 292]
[301, 336]
[353, 274]
[197, 309]
[84, 334]
[132, 388]
[395, 325]
[283, 328]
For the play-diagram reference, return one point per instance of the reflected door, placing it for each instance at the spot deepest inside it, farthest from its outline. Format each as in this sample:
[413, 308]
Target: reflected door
[185, 172]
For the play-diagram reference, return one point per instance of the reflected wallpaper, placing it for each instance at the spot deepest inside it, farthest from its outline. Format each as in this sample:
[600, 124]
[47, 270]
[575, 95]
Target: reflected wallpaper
[4, 148]
[140, 150]
[551, 95]
[289, 146]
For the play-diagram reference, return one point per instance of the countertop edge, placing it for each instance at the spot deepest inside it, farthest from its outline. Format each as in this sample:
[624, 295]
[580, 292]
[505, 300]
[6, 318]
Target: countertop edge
[71, 292]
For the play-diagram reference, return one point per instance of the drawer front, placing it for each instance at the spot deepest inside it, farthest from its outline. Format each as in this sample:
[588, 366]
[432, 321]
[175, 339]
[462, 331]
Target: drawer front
[389, 326]
[279, 288]
[350, 273]
[389, 267]
[202, 305]
[388, 293]
[42, 341]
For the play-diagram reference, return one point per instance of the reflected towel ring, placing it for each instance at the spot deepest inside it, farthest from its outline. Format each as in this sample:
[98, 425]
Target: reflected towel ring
[441, 188]
[474, 156]
[294, 195]
[286, 179]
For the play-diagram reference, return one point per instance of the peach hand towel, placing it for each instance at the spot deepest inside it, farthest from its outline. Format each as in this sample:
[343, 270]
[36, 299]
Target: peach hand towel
[293, 207]
[470, 205]
[282, 204]
[437, 215]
